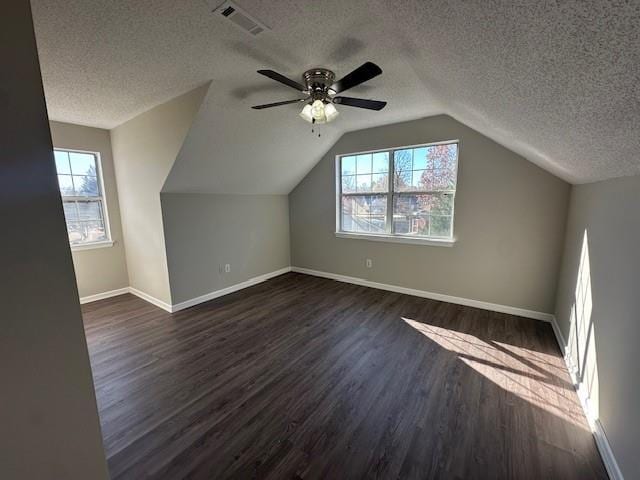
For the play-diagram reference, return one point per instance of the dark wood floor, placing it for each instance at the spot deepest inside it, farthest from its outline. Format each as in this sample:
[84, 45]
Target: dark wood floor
[303, 377]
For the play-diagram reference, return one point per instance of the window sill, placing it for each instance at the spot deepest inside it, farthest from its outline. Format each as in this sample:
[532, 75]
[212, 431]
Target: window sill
[445, 242]
[91, 246]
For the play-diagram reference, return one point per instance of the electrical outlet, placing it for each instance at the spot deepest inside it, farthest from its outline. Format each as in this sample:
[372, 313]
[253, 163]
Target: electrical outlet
[369, 263]
[227, 268]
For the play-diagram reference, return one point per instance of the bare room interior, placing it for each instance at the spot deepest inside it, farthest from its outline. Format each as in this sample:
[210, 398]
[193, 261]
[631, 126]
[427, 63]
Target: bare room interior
[320, 239]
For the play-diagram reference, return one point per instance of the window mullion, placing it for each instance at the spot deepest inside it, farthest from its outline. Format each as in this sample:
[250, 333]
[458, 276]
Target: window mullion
[390, 182]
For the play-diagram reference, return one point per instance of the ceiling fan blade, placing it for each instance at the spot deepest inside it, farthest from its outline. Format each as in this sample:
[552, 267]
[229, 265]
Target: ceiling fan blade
[282, 79]
[360, 75]
[277, 104]
[360, 103]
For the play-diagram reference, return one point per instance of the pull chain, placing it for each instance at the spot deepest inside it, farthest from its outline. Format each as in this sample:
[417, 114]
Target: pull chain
[313, 127]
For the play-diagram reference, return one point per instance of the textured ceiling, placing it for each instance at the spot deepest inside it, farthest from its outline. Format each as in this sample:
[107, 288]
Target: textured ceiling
[557, 82]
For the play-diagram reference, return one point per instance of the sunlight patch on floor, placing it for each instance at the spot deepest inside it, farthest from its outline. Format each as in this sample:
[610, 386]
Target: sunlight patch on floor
[535, 377]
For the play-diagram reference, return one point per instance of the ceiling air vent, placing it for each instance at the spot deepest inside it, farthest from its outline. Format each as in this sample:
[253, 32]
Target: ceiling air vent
[239, 17]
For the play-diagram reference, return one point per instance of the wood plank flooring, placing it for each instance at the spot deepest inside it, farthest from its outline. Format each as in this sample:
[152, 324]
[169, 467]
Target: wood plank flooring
[303, 377]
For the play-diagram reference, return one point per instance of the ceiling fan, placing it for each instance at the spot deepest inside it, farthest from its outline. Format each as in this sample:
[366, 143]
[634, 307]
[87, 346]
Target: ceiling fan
[321, 89]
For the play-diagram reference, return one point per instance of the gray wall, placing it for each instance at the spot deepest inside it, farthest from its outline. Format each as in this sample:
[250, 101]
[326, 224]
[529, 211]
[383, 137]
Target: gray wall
[144, 150]
[205, 231]
[48, 413]
[598, 308]
[100, 269]
[509, 223]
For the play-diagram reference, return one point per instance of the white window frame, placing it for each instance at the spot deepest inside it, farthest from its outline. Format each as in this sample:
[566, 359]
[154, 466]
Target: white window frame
[108, 242]
[389, 236]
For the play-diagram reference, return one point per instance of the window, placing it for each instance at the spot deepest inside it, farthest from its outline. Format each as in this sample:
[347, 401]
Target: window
[82, 197]
[415, 202]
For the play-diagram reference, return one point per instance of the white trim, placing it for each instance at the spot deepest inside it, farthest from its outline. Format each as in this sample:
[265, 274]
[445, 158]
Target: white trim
[150, 299]
[187, 303]
[597, 429]
[103, 295]
[444, 242]
[225, 291]
[521, 312]
[559, 337]
[605, 452]
[91, 245]
[401, 147]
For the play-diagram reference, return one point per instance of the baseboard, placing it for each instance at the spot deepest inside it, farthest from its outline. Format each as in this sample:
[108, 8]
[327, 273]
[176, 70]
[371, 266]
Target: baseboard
[605, 451]
[559, 338]
[103, 295]
[521, 312]
[153, 300]
[187, 303]
[225, 291]
[122, 291]
[597, 429]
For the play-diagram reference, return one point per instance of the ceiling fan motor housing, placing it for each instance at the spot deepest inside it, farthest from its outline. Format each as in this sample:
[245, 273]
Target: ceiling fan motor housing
[318, 82]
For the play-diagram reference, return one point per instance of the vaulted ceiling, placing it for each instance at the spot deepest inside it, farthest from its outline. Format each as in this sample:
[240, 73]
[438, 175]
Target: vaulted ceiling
[557, 82]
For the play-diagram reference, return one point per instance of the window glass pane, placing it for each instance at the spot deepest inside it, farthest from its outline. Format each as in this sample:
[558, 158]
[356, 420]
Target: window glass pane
[381, 162]
[349, 184]
[94, 230]
[82, 163]
[434, 179]
[62, 162]
[424, 215]
[443, 179]
[420, 158]
[86, 186]
[441, 204]
[441, 226]
[75, 231]
[66, 185]
[70, 212]
[364, 213]
[442, 156]
[348, 165]
[90, 210]
[83, 232]
[402, 180]
[403, 160]
[364, 183]
[433, 168]
[363, 163]
[379, 182]
[420, 180]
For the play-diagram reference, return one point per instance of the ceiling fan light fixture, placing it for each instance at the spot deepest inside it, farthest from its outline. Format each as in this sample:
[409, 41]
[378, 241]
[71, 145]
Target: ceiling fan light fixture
[306, 113]
[317, 111]
[330, 111]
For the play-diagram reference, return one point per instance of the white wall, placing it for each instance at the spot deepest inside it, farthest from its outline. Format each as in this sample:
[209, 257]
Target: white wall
[509, 223]
[598, 308]
[144, 150]
[204, 232]
[100, 269]
[48, 413]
